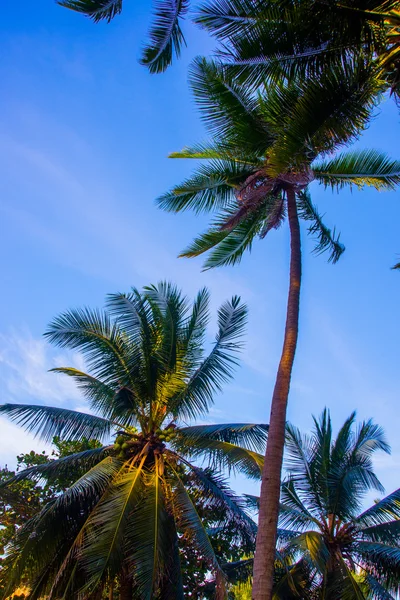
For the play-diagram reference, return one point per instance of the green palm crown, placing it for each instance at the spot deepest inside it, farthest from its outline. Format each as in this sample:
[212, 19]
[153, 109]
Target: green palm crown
[138, 498]
[305, 38]
[343, 551]
[267, 145]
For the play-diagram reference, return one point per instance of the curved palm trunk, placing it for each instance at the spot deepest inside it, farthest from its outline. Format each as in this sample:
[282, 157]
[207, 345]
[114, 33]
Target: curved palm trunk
[271, 477]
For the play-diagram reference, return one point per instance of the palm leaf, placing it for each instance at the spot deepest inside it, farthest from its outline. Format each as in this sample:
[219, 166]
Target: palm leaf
[223, 456]
[228, 110]
[112, 404]
[212, 187]
[166, 37]
[384, 532]
[385, 510]
[97, 10]
[52, 470]
[218, 494]
[217, 368]
[147, 540]
[377, 590]
[327, 239]
[189, 520]
[47, 422]
[103, 545]
[360, 168]
[229, 244]
[101, 341]
[247, 435]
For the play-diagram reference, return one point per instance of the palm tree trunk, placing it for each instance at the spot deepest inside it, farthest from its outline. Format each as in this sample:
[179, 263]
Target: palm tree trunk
[126, 586]
[263, 573]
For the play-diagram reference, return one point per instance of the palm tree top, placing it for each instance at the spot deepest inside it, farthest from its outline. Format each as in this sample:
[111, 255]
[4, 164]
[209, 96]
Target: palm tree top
[349, 551]
[148, 373]
[282, 138]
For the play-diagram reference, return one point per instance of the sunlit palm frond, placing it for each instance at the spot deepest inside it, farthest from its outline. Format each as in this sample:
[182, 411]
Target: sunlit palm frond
[360, 168]
[103, 542]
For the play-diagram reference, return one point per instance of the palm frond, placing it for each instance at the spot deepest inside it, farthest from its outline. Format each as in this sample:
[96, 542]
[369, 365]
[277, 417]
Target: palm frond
[228, 110]
[382, 557]
[313, 543]
[217, 368]
[47, 422]
[319, 114]
[148, 546]
[293, 511]
[384, 532]
[189, 520]
[211, 188]
[166, 37]
[385, 510]
[103, 544]
[223, 456]
[111, 403]
[328, 241]
[101, 342]
[218, 494]
[229, 245]
[360, 168]
[247, 435]
[97, 10]
[55, 468]
[378, 591]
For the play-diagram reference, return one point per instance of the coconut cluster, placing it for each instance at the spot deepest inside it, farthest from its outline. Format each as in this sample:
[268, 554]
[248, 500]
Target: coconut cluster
[165, 435]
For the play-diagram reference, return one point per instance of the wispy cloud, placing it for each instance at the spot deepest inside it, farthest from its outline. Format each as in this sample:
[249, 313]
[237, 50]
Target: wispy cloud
[24, 376]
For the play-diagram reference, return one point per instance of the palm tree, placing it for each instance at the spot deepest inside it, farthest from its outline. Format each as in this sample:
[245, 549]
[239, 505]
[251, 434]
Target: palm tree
[264, 153]
[303, 38]
[351, 555]
[139, 496]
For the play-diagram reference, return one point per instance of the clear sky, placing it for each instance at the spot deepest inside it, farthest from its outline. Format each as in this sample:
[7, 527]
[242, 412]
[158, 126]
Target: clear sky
[84, 136]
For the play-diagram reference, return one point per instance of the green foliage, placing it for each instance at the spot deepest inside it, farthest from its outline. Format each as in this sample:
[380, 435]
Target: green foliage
[351, 555]
[303, 39]
[122, 507]
[264, 144]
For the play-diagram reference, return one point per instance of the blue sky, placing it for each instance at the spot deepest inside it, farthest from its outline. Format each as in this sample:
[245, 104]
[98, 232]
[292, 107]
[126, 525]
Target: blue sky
[84, 136]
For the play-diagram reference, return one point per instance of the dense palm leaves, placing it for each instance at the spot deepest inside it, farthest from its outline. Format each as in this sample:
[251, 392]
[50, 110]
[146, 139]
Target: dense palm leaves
[265, 146]
[352, 555]
[148, 373]
[275, 40]
[265, 151]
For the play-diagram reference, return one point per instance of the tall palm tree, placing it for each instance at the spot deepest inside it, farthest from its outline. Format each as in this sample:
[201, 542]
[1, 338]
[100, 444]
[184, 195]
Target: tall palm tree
[140, 495]
[304, 38]
[264, 153]
[351, 555]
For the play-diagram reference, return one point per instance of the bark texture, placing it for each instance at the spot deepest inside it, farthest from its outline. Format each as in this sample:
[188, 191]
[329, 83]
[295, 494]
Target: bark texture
[263, 574]
[126, 586]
